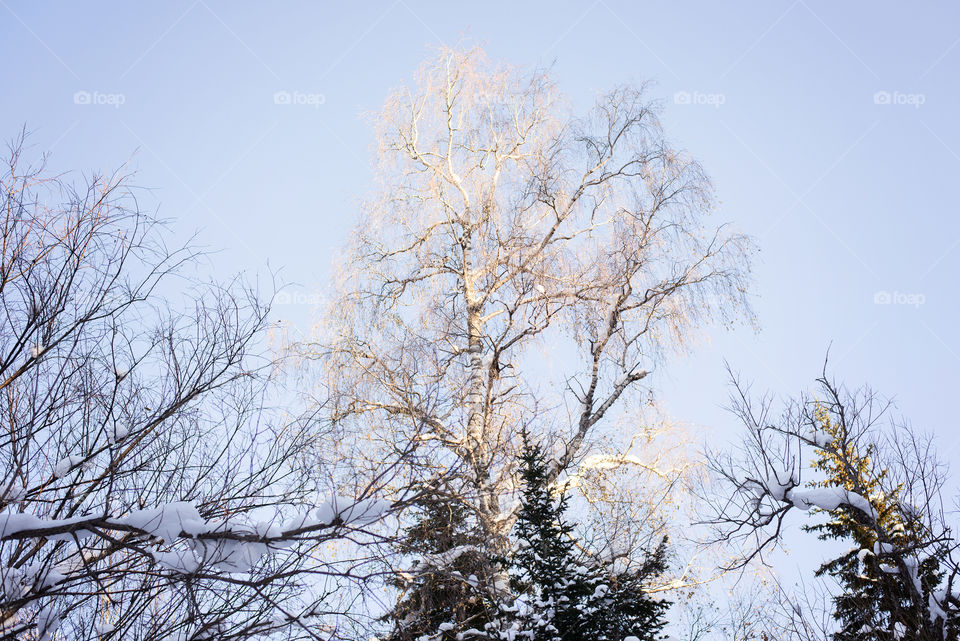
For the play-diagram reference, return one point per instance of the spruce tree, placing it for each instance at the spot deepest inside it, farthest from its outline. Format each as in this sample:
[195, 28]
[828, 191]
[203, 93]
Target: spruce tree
[874, 603]
[562, 593]
[446, 589]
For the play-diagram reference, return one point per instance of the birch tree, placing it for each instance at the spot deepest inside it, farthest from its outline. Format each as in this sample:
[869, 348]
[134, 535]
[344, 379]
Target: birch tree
[516, 266]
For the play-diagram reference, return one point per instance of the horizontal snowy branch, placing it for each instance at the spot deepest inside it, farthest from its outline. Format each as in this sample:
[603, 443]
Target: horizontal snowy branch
[222, 545]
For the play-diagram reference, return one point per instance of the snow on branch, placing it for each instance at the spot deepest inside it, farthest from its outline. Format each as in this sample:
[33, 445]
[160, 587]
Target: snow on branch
[182, 521]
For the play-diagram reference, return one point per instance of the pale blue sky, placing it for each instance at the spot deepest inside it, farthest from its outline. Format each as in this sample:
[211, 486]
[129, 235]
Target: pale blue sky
[845, 197]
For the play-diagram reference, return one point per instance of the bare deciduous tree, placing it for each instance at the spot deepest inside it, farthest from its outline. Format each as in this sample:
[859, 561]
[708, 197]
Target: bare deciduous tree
[506, 241]
[880, 483]
[145, 492]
